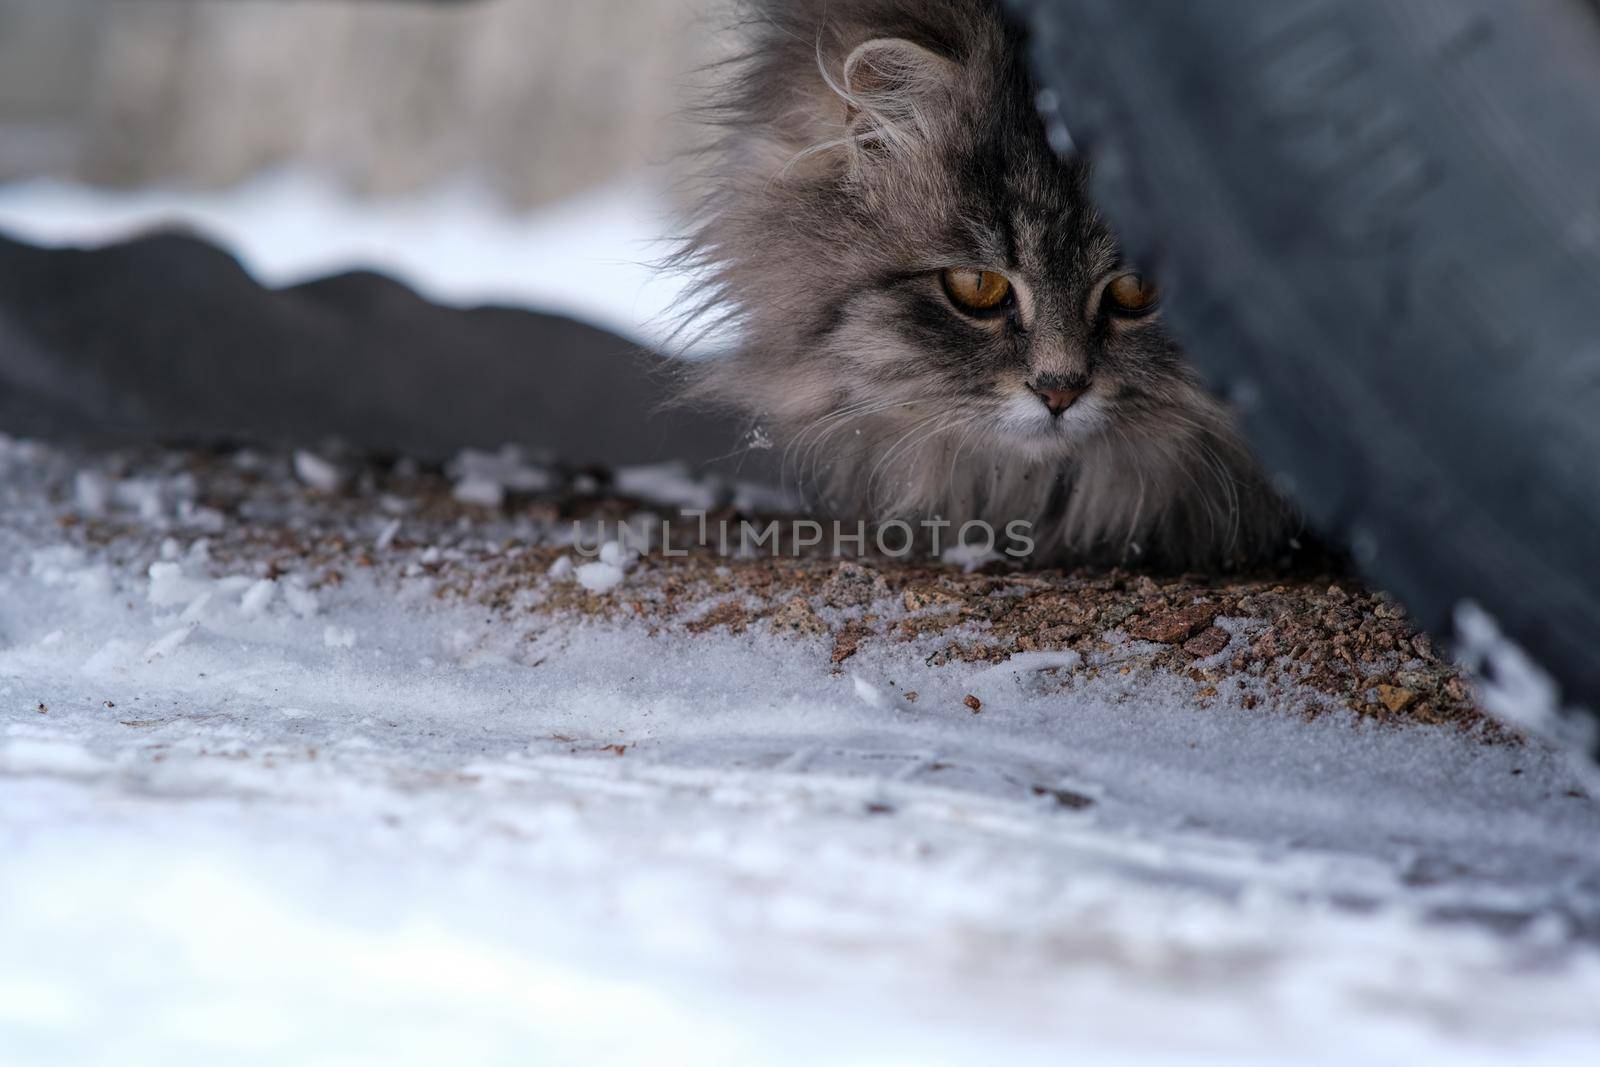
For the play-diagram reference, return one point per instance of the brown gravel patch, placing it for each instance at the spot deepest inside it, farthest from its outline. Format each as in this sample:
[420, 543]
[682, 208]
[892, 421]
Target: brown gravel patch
[1318, 631]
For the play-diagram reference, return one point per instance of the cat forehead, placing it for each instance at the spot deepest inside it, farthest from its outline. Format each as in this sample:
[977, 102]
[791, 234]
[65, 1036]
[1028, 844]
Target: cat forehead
[1018, 190]
[1064, 245]
[1015, 213]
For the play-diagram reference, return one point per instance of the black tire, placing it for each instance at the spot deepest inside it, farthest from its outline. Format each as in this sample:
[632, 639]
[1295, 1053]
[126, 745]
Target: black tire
[1378, 226]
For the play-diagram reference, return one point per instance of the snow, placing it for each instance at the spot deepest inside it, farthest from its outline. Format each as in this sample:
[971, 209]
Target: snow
[391, 530]
[34, 756]
[257, 597]
[667, 483]
[480, 491]
[869, 694]
[338, 637]
[484, 478]
[600, 577]
[969, 557]
[168, 643]
[1517, 689]
[405, 828]
[1013, 670]
[606, 573]
[317, 472]
[593, 257]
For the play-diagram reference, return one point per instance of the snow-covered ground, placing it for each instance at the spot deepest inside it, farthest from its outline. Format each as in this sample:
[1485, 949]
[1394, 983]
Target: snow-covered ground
[251, 813]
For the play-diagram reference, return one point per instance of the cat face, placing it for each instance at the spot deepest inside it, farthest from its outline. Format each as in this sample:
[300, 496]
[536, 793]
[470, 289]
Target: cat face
[1002, 305]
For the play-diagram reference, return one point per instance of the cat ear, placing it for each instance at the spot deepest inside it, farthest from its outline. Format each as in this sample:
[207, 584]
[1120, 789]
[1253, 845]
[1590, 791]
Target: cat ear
[891, 88]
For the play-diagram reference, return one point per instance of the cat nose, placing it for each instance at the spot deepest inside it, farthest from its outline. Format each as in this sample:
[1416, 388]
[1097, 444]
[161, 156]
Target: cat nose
[1058, 399]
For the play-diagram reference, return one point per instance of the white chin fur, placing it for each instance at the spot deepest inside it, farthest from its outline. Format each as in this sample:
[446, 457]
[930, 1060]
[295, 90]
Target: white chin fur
[1025, 424]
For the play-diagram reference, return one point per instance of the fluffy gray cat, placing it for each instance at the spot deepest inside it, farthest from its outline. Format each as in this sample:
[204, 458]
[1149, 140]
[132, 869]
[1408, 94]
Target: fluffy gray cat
[932, 318]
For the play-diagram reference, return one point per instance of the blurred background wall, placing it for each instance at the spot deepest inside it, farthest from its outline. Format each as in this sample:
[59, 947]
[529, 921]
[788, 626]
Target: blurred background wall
[541, 98]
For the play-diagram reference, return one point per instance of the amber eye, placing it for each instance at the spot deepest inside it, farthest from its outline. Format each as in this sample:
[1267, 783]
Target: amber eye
[976, 290]
[1132, 294]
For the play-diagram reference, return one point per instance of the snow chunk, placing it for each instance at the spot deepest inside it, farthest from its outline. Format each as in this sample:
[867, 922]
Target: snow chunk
[1027, 663]
[869, 694]
[196, 609]
[144, 495]
[600, 577]
[257, 597]
[670, 484]
[969, 557]
[483, 478]
[603, 575]
[202, 518]
[167, 644]
[617, 555]
[561, 569]
[480, 491]
[91, 493]
[317, 472]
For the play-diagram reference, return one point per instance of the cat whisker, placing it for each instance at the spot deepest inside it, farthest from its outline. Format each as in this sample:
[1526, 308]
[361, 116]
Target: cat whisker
[904, 445]
[821, 429]
[887, 455]
[967, 426]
